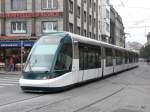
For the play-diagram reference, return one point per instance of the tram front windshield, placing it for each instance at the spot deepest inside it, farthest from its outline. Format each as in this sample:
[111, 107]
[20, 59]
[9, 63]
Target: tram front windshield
[51, 56]
[42, 54]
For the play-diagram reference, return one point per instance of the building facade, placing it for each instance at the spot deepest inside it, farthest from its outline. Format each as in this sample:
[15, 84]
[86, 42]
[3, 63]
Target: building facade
[117, 34]
[105, 20]
[24, 21]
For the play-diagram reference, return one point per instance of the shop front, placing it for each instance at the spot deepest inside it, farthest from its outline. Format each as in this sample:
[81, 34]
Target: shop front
[13, 54]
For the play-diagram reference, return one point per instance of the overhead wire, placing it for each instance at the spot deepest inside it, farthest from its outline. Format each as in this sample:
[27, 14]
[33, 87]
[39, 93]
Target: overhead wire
[127, 11]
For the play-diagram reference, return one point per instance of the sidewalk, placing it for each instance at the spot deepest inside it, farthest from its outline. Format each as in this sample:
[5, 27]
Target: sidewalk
[11, 73]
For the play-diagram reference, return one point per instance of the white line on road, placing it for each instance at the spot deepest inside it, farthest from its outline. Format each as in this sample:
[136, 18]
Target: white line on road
[10, 77]
[6, 84]
[9, 80]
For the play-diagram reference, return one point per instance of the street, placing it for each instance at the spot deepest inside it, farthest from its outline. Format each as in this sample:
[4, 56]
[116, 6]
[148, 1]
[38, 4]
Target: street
[125, 92]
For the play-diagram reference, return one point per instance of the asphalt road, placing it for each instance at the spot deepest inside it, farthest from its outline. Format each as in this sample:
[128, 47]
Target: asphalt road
[126, 92]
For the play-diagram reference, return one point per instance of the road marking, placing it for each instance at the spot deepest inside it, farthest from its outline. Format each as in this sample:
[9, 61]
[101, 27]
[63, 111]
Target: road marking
[14, 78]
[8, 81]
[6, 84]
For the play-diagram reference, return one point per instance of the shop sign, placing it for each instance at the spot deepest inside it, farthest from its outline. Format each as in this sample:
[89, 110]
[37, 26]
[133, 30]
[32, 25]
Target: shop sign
[27, 44]
[16, 43]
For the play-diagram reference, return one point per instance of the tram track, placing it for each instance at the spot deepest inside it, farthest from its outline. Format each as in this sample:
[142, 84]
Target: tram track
[18, 101]
[70, 97]
[98, 101]
[62, 100]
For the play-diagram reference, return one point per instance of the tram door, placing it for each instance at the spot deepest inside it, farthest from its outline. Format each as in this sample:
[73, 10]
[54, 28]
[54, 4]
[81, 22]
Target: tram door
[88, 63]
[81, 63]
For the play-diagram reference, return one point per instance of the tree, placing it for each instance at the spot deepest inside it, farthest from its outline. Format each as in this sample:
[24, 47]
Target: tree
[145, 52]
[134, 46]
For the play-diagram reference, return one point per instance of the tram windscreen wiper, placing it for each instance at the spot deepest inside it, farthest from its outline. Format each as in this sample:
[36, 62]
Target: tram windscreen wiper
[29, 64]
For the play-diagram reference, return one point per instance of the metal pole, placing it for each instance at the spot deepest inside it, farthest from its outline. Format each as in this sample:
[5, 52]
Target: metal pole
[21, 56]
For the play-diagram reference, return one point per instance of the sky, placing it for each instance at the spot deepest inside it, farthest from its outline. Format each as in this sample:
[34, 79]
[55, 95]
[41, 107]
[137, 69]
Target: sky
[136, 18]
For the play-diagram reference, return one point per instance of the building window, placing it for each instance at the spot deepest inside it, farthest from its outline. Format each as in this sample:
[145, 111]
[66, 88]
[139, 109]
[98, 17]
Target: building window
[94, 22]
[90, 3]
[107, 14]
[85, 33]
[49, 4]
[94, 36]
[78, 11]
[71, 27]
[78, 30]
[85, 1]
[49, 26]
[90, 34]
[94, 6]
[71, 6]
[99, 25]
[84, 16]
[18, 5]
[90, 19]
[19, 27]
[107, 27]
[99, 8]
[107, 2]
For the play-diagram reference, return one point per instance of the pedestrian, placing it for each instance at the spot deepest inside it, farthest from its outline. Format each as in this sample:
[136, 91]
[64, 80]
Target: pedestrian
[148, 60]
[6, 64]
[1, 60]
[11, 63]
[15, 62]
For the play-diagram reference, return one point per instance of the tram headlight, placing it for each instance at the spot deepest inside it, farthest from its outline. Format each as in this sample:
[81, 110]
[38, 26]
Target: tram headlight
[45, 78]
[50, 76]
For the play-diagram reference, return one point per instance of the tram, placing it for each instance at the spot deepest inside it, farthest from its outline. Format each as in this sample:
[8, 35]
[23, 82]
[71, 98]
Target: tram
[61, 60]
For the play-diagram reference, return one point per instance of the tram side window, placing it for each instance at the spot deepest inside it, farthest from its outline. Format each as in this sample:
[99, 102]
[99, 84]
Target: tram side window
[137, 58]
[109, 57]
[99, 58]
[85, 58]
[126, 57]
[81, 58]
[130, 58]
[134, 58]
[91, 58]
[64, 57]
[119, 56]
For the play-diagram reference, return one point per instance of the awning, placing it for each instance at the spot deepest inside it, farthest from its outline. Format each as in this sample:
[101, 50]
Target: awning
[16, 43]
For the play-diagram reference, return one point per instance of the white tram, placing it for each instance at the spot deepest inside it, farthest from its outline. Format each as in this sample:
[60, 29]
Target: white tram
[61, 59]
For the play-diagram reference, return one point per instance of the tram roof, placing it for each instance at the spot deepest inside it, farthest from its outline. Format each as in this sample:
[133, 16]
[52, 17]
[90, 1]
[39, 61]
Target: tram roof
[90, 41]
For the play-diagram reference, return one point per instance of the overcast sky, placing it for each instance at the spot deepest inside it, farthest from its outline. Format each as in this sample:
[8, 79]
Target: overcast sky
[136, 18]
